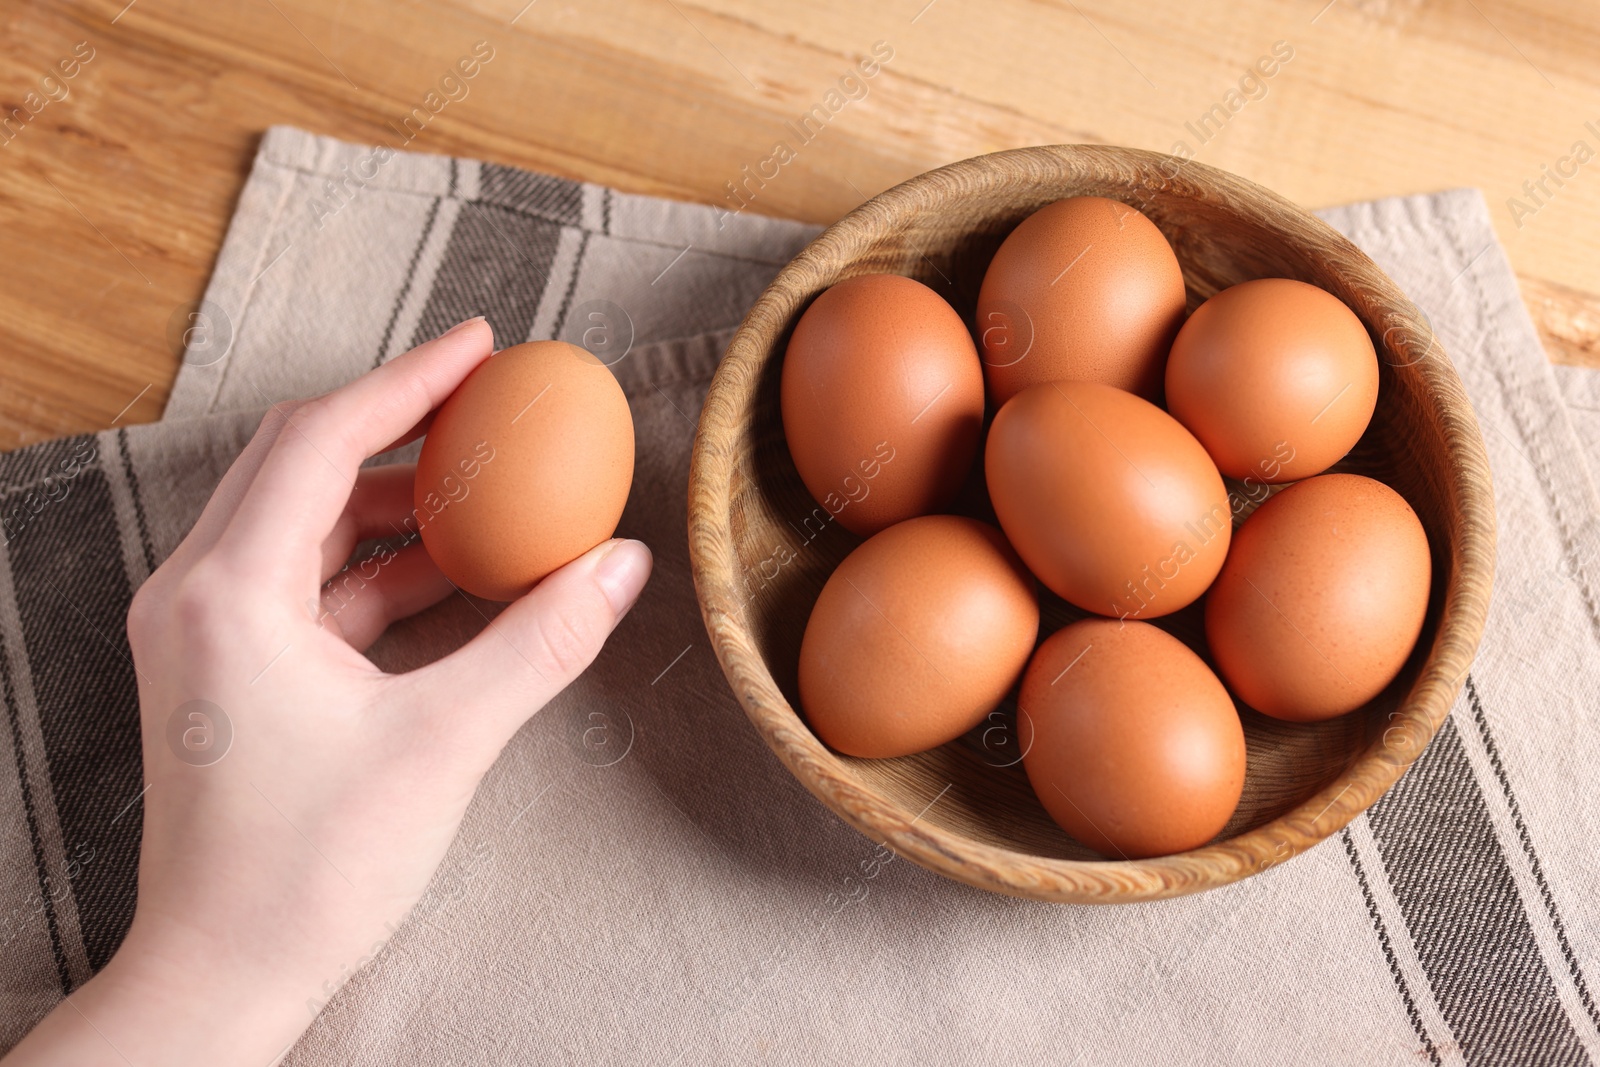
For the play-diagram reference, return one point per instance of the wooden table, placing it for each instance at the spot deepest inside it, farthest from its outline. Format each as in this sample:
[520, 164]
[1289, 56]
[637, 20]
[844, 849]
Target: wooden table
[115, 195]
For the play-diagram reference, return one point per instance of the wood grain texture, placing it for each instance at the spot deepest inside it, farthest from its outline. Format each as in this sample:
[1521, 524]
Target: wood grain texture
[114, 200]
[761, 548]
[1568, 320]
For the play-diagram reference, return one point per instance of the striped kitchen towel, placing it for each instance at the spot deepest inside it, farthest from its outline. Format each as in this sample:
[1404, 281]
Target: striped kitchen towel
[639, 880]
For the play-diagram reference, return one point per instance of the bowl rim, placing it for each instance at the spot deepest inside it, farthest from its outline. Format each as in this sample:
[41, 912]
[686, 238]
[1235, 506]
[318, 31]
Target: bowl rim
[713, 560]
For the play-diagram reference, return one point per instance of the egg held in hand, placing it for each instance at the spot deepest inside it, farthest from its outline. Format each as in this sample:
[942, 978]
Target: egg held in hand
[1130, 742]
[1084, 289]
[917, 635]
[1277, 378]
[882, 401]
[525, 468]
[1110, 502]
[1322, 598]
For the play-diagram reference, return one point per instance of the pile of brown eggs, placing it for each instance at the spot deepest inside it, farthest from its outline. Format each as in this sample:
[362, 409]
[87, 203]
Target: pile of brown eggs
[1111, 429]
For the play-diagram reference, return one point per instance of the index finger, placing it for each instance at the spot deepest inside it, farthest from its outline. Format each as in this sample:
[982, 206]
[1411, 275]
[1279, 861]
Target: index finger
[301, 489]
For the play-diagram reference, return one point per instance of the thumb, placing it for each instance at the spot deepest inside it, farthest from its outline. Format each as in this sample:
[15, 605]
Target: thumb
[536, 647]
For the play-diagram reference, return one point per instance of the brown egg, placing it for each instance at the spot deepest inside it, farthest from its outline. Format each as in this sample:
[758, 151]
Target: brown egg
[1322, 598]
[1109, 501]
[882, 400]
[1277, 378]
[917, 635]
[1130, 741]
[1084, 289]
[525, 468]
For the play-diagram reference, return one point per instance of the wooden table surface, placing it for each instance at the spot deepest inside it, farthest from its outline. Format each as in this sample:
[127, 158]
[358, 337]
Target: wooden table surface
[116, 184]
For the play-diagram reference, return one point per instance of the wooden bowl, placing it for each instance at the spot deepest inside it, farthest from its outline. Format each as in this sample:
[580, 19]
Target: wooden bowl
[761, 550]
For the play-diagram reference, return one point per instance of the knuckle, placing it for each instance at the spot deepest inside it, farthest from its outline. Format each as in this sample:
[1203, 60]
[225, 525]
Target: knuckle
[151, 602]
[566, 642]
[196, 602]
[281, 411]
[143, 612]
[327, 425]
[276, 419]
[306, 406]
[413, 392]
[188, 611]
[404, 403]
[308, 417]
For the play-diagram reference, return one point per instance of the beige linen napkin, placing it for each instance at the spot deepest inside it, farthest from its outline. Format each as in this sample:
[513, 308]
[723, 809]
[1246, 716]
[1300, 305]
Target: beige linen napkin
[639, 880]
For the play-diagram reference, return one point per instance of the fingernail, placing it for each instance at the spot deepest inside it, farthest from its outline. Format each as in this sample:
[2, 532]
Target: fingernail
[458, 327]
[622, 572]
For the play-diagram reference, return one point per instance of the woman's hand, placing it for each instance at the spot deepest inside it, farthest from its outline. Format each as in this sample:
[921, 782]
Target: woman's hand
[267, 872]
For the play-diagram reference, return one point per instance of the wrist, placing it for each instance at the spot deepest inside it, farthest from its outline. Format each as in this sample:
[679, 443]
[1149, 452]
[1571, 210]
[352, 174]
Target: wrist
[155, 1003]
